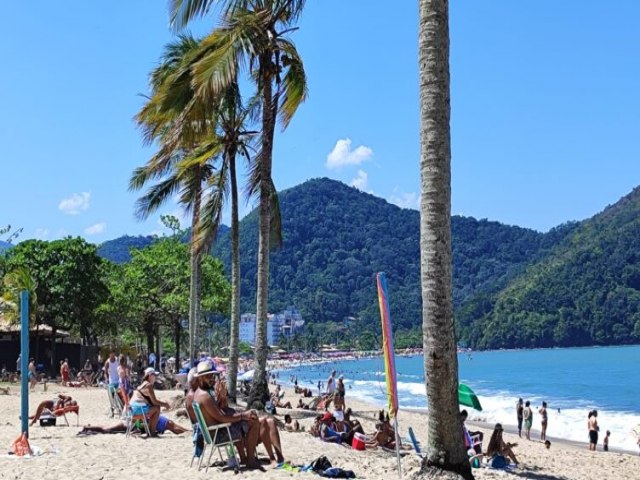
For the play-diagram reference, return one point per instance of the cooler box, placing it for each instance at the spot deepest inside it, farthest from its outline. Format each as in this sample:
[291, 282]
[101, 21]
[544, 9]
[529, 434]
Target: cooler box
[358, 441]
[47, 421]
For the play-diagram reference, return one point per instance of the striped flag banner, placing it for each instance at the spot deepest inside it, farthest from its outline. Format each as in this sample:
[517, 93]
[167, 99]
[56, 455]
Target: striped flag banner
[387, 345]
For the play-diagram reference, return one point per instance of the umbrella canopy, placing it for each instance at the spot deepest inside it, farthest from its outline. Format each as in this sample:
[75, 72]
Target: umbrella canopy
[246, 376]
[467, 397]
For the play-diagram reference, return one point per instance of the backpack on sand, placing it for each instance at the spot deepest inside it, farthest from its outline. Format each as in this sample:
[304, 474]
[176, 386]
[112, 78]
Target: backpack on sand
[320, 464]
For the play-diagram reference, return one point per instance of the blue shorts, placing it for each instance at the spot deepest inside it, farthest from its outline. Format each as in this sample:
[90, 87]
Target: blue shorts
[163, 423]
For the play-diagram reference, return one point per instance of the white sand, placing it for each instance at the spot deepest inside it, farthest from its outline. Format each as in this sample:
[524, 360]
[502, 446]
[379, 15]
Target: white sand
[107, 457]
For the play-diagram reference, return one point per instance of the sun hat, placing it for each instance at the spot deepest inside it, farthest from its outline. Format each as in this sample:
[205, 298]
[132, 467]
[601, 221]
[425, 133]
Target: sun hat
[148, 371]
[206, 368]
[326, 417]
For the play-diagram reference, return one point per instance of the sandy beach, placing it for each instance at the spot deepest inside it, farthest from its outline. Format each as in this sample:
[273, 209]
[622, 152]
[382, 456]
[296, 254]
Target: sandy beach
[114, 457]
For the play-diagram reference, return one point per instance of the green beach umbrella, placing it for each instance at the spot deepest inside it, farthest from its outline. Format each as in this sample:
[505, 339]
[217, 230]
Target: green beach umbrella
[467, 397]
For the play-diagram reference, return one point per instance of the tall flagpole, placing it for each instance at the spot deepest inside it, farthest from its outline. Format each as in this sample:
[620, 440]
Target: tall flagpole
[24, 360]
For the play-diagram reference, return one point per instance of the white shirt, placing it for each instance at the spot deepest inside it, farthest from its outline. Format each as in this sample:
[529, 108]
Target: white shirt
[113, 371]
[331, 385]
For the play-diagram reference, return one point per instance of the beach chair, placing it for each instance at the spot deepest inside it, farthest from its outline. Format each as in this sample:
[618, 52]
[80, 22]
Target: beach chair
[134, 413]
[62, 412]
[214, 442]
[115, 402]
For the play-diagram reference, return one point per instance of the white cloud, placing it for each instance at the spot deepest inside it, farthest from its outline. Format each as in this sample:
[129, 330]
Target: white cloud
[342, 154]
[96, 229]
[41, 233]
[405, 199]
[76, 203]
[361, 181]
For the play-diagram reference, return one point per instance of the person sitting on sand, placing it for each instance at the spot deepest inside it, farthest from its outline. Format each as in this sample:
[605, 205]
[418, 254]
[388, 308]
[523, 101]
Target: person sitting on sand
[289, 425]
[51, 406]
[499, 448]
[144, 398]
[328, 432]
[245, 426]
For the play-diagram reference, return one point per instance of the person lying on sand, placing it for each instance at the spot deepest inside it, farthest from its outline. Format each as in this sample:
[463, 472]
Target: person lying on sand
[302, 405]
[163, 425]
[50, 406]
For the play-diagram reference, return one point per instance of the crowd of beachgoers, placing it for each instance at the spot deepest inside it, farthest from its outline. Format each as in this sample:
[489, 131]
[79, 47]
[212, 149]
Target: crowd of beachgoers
[303, 427]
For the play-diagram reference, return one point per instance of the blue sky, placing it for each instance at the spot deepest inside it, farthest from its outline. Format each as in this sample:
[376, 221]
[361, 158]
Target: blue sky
[545, 108]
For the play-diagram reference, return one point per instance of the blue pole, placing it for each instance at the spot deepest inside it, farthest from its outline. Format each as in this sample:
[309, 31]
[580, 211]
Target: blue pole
[24, 360]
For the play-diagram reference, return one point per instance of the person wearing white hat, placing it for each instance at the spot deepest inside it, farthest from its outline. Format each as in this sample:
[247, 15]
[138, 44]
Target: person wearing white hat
[145, 397]
[244, 425]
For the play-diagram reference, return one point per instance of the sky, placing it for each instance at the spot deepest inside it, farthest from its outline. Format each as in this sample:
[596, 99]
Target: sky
[545, 108]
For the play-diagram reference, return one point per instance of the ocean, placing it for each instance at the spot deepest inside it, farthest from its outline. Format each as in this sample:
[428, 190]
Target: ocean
[572, 381]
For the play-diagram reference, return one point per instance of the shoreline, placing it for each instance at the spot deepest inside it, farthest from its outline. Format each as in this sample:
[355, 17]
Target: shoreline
[509, 427]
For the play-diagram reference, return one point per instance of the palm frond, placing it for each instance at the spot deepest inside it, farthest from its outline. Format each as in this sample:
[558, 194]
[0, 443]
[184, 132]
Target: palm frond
[294, 83]
[181, 12]
[156, 196]
[275, 223]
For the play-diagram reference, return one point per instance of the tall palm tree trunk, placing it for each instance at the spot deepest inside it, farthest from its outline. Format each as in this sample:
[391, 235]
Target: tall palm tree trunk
[260, 388]
[234, 340]
[196, 271]
[445, 443]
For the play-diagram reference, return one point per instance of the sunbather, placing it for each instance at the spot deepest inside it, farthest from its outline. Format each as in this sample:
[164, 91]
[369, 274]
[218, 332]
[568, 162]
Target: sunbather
[164, 424]
[328, 429]
[61, 401]
[289, 425]
[245, 426]
[499, 448]
[269, 434]
[144, 398]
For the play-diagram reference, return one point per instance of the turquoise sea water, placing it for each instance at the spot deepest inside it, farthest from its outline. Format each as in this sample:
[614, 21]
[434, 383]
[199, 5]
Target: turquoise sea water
[573, 380]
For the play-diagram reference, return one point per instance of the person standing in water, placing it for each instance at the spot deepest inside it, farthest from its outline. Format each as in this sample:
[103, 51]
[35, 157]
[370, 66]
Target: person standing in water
[545, 417]
[528, 419]
[520, 415]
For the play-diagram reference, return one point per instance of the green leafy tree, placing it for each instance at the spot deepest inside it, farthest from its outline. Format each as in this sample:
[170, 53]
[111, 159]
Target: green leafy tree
[254, 32]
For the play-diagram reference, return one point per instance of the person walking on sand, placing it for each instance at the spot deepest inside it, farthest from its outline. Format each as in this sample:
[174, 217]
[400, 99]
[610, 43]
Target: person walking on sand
[520, 415]
[593, 430]
[528, 419]
[543, 422]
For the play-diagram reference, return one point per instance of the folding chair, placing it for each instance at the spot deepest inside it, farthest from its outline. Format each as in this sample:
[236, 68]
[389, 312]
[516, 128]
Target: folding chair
[115, 403]
[134, 413]
[62, 412]
[215, 442]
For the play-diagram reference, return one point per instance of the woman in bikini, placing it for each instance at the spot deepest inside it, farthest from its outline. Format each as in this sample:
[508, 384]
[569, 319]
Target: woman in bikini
[144, 396]
[543, 413]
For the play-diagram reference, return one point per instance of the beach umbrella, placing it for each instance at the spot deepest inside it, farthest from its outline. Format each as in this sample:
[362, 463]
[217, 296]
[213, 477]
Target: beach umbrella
[247, 376]
[467, 397]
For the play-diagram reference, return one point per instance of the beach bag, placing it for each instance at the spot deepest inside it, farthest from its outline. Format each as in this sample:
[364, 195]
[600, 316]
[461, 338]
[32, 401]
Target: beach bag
[335, 472]
[498, 461]
[358, 441]
[20, 446]
[321, 464]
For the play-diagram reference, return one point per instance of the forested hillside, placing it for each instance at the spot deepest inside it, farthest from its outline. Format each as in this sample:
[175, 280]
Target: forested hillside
[578, 284]
[586, 292]
[336, 238]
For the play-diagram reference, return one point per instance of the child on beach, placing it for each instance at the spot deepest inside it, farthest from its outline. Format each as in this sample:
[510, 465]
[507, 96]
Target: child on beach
[605, 442]
[528, 419]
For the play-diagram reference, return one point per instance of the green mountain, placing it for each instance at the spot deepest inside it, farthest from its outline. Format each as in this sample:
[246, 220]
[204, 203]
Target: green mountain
[585, 292]
[336, 238]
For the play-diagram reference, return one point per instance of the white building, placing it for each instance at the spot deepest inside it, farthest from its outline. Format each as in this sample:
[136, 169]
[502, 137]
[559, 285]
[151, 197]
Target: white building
[248, 328]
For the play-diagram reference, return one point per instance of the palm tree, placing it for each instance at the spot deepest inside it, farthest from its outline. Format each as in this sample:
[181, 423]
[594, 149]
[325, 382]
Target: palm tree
[234, 139]
[185, 131]
[254, 33]
[16, 281]
[445, 443]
